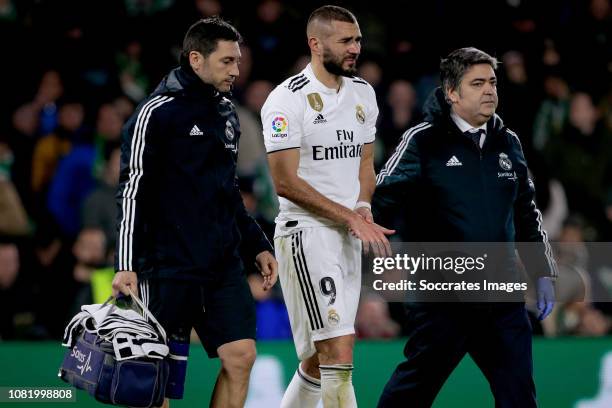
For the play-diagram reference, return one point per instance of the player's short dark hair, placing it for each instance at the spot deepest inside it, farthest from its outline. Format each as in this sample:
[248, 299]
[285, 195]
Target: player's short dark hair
[204, 35]
[454, 66]
[330, 13]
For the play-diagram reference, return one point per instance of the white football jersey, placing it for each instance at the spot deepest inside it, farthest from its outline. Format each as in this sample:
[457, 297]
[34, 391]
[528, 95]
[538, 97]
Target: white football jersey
[330, 128]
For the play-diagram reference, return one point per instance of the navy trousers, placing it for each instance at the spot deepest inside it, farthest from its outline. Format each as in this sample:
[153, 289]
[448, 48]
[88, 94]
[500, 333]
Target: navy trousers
[496, 336]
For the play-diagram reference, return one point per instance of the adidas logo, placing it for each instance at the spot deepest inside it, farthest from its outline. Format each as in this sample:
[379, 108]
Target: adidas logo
[195, 131]
[319, 119]
[453, 161]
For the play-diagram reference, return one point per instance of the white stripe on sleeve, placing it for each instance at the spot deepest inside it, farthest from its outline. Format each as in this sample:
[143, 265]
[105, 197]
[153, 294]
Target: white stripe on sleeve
[399, 151]
[126, 231]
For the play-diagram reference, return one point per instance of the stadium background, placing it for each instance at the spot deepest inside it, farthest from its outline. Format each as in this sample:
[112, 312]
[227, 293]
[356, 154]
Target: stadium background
[73, 71]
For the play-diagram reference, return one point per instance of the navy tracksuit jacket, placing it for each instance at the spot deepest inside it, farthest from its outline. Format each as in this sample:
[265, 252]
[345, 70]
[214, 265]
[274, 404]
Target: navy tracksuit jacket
[180, 211]
[451, 190]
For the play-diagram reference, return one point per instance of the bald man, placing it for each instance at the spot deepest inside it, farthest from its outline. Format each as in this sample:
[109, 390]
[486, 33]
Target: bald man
[318, 128]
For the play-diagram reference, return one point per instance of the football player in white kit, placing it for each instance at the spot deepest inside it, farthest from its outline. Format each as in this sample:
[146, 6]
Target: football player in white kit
[319, 128]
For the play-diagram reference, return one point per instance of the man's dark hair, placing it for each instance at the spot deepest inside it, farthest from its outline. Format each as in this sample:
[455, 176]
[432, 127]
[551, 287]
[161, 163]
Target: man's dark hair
[327, 14]
[453, 67]
[204, 34]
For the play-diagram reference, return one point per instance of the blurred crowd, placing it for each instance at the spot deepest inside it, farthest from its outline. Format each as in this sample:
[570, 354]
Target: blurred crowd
[74, 71]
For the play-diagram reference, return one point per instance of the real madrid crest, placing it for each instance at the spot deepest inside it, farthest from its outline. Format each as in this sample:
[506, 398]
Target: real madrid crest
[229, 131]
[315, 101]
[504, 162]
[360, 113]
[332, 317]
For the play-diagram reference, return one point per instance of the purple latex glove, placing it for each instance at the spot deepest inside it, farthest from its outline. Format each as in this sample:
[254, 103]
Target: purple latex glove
[546, 297]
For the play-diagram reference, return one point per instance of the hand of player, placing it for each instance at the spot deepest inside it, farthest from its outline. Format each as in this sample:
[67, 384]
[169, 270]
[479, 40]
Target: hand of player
[366, 214]
[124, 281]
[267, 265]
[371, 235]
[546, 297]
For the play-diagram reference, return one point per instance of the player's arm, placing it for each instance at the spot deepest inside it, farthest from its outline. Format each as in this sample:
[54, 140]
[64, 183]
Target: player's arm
[282, 116]
[367, 182]
[283, 168]
[367, 175]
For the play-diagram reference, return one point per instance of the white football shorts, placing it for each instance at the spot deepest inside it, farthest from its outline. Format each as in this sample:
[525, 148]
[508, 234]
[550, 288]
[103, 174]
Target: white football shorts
[320, 275]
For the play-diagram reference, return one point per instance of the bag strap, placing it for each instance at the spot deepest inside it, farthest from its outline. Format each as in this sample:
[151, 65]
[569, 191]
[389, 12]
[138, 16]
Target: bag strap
[111, 297]
[146, 313]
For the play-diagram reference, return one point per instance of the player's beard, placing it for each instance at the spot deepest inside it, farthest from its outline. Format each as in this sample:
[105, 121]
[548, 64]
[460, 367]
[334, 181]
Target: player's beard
[333, 65]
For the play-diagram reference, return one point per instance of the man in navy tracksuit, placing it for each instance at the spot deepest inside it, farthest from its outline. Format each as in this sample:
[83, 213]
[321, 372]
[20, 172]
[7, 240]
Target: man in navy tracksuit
[183, 230]
[461, 176]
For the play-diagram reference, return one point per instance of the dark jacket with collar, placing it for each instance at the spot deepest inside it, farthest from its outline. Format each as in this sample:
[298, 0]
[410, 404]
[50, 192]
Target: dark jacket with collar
[180, 211]
[450, 190]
